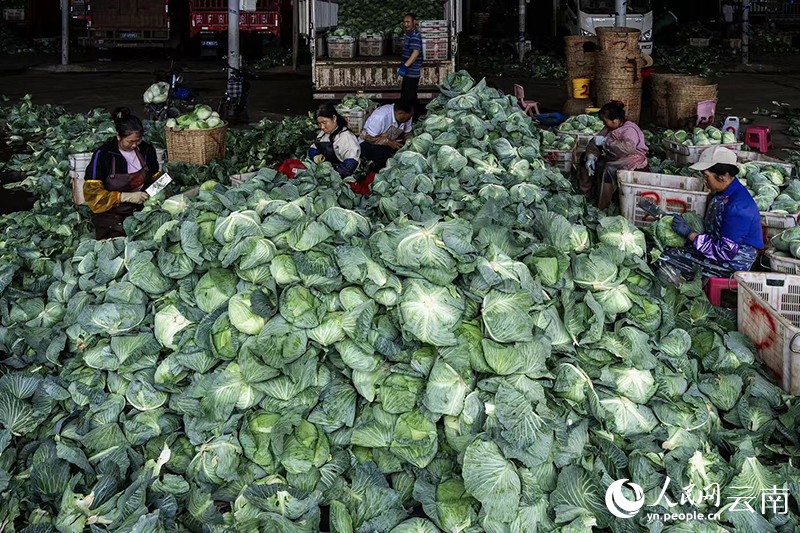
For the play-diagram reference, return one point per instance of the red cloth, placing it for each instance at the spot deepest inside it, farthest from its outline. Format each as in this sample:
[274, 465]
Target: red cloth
[290, 167]
[362, 187]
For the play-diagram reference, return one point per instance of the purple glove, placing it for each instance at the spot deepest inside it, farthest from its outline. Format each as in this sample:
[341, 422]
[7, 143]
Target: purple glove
[681, 227]
[402, 70]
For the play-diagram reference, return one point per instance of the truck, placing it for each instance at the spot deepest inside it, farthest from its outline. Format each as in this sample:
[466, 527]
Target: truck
[370, 77]
[127, 23]
[778, 12]
[209, 20]
[582, 17]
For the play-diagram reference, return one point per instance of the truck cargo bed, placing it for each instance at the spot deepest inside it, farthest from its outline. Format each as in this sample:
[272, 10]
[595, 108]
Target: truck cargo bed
[373, 73]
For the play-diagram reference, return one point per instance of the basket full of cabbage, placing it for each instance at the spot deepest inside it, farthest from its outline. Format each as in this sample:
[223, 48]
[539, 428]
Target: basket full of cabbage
[197, 137]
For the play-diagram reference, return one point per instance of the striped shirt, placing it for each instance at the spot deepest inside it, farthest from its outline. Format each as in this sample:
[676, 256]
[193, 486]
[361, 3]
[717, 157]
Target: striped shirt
[413, 42]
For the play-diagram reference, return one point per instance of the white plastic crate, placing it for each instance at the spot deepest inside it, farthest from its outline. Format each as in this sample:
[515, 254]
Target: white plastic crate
[371, 46]
[582, 140]
[77, 186]
[688, 155]
[161, 157]
[774, 223]
[784, 265]
[673, 194]
[432, 24]
[562, 159]
[80, 161]
[238, 179]
[769, 314]
[356, 118]
[342, 47]
[435, 49]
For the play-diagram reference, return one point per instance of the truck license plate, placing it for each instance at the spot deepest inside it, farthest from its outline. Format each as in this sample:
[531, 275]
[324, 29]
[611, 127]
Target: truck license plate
[209, 43]
[129, 35]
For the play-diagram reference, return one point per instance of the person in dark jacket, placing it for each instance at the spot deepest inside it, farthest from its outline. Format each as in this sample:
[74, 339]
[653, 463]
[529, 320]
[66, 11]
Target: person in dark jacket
[733, 234]
[117, 176]
[335, 143]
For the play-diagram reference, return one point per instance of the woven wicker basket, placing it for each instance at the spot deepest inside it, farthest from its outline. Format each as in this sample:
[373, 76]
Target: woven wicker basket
[630, 96]
[580, 69]
[683, 100]
[618, 41]
[575, 45]
[621, 68]
[660, 84]
[197, 147]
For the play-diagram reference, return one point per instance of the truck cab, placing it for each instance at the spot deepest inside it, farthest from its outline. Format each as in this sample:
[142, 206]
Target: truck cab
[582, 17]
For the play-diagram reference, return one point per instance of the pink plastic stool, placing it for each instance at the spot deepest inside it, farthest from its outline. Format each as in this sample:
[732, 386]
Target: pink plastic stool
[529, 108]
[715, 287]
[759, 137]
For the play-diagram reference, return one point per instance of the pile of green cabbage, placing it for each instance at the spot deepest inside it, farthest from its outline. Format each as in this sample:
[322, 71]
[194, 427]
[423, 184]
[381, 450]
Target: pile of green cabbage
[701, 137]
[551, 141]
[669, 166]
[472, 348]
[586, 124]
[156, 93]
[356, 102]
[787, 243]
[201, 118]
[771, 187]
[364, 16]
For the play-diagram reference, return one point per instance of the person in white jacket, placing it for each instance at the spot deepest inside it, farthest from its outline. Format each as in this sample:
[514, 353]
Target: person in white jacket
[335, 142]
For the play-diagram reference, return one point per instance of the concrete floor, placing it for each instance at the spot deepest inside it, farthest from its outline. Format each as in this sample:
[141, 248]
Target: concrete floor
[121, 81]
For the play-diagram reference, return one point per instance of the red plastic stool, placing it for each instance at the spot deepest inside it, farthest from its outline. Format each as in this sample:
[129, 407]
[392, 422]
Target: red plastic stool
[715, 287]
[759, 137]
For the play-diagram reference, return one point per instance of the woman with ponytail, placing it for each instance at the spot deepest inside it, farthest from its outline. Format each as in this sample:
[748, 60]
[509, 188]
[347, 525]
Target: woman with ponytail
[117, 176]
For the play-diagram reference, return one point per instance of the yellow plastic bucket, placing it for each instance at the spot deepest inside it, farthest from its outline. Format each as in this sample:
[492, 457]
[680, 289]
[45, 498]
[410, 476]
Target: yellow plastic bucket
[592, 110]
[580, 87]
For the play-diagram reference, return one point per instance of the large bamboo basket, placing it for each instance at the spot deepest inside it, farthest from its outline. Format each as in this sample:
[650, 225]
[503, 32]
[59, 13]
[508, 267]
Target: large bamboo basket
[618, 41]
[683, 100]
[197, 147]
[630, 96]
[620, 68]
[660, 84]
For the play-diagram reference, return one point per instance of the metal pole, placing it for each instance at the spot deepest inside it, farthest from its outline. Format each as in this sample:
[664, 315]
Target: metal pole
[621, 9]
[295, 32]
[521, 43]
[233, 34]
[65, 32]
[745, 32]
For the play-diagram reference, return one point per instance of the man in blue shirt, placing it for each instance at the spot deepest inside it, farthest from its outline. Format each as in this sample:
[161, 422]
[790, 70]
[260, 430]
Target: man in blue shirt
[411, 68]
[733, 234]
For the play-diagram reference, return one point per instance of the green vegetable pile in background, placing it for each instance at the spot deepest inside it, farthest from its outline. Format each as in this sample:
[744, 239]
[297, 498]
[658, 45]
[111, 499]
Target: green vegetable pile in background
[360, 16]
[705, 61]
[471, 349]
[499, 57]
[766, 183]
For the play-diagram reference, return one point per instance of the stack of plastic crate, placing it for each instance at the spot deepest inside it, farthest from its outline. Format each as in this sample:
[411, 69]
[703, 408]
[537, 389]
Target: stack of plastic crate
[435, 40]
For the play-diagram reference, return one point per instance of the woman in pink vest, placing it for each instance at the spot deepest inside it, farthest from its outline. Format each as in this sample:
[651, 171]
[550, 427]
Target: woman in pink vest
[618, 146]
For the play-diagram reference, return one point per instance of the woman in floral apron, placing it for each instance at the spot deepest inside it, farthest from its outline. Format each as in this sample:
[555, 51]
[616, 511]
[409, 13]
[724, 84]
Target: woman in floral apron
[117, 176]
